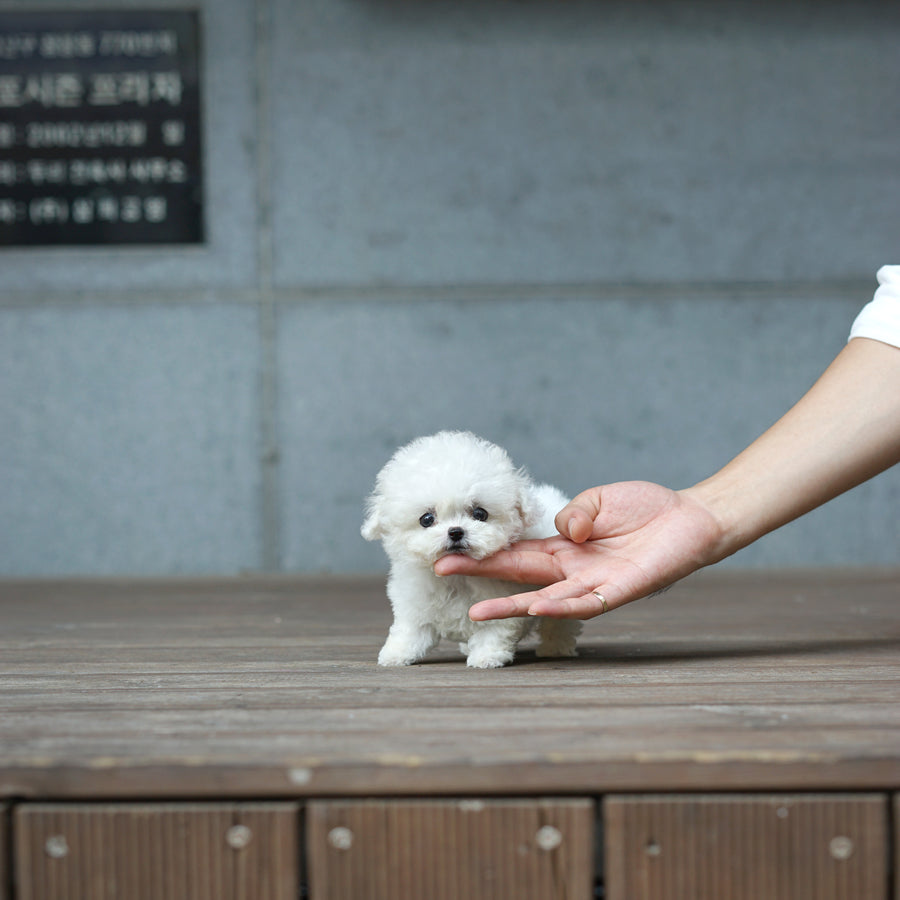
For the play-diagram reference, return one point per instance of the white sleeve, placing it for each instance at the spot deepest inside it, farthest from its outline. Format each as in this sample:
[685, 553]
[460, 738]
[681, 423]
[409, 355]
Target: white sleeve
[880, 319]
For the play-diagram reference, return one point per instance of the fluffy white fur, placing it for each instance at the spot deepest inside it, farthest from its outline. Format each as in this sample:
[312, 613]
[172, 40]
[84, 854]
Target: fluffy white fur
[453, 492]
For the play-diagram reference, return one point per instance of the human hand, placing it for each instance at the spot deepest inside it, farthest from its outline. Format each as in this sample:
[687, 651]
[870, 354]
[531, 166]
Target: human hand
[623, 541]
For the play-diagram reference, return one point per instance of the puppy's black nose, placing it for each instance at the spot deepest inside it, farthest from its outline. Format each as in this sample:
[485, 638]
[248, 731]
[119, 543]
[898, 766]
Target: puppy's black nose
[456, 534]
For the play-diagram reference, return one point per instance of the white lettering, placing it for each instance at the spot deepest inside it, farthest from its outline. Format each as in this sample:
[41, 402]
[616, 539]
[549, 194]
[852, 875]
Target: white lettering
[173, 132]
[8, 212]
[131, 209]
[18, 46]
[167, 87]
[108, 209]
[116, 88]
[46, 171]
[177, 171]
[139, 43]
[68, 45]
[144, 170]
[155, 209]
[63, 90]
[83, 211]
[103, 90]
[48, 211]
[86, 210]
[10, 91]
[86, 134]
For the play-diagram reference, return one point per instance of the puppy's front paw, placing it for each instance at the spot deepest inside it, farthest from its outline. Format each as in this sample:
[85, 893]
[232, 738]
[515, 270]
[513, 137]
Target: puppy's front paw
[392, 656]
[406, 645]
[483, 658]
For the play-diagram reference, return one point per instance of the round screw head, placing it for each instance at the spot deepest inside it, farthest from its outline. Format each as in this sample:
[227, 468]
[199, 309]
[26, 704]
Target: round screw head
[841, 847]
[548, 837]
[340, 838]
[238, 836]
[56, 847]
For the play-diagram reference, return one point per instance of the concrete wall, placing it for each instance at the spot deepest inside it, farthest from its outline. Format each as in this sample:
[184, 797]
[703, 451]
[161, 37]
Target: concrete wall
[618, 237]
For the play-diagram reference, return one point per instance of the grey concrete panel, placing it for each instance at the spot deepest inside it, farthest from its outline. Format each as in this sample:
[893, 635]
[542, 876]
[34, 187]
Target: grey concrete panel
[473, 142]
[479, 189]
[228, 257]
[581, 392]
[130, 440]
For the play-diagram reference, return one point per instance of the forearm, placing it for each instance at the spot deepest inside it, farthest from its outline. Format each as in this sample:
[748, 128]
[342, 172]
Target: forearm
[845, 430]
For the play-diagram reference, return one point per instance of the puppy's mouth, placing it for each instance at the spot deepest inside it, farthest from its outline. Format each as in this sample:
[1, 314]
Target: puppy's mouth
[462, 548]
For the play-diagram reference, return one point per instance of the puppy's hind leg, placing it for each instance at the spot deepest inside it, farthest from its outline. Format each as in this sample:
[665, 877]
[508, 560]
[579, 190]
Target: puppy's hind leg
[407, 644]
[558, 637]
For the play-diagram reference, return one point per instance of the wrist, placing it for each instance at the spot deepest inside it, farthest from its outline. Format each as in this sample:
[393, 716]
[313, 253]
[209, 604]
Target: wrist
[728, 531]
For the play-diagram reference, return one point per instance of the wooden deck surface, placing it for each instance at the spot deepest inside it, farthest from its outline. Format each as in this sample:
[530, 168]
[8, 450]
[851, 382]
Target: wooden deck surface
[269, 688]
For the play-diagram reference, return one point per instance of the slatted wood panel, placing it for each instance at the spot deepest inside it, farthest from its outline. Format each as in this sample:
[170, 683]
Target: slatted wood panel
[269, 687]
[745, 848]
[896, 859]
[446, 850]
[157, 852]
[4, 855]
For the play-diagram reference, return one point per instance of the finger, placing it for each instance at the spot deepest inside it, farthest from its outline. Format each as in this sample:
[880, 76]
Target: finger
[573, 604]
[576, 520]
[586, 606]
[500, 608]
[529, 563]
[564, 600]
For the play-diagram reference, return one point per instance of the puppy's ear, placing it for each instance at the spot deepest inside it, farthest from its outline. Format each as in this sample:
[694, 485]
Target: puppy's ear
[529, 507]
[373, 526]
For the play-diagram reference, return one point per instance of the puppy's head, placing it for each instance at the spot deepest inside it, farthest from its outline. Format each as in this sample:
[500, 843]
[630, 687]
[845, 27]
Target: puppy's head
[451, 492]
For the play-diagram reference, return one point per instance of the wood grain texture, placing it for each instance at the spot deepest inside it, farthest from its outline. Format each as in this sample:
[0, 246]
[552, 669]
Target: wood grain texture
[896, 857]
[4, 854]
[444, 850]
[827, 847]
[268, 687]
[158, 852]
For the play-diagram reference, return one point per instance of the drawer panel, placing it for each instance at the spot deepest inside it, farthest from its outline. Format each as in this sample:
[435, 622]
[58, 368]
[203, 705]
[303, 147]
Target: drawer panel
[447, 849]
[157, 851]
[831, 847]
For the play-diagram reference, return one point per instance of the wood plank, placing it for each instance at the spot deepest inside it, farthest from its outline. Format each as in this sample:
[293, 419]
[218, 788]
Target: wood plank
[157, 852]
[896, 830]
[150, 688]
[4, 855]
[280, 692]
[829, 847]
[443, 850]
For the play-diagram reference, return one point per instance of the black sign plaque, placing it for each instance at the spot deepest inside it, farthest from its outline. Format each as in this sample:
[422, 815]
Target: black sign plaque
[100, 128]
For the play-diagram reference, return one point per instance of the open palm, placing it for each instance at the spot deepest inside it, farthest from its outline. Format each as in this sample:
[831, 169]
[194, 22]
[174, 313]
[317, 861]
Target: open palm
[623, 540]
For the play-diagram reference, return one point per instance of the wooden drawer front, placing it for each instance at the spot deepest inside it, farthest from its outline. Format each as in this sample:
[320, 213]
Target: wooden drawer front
[445, 850]
[896, 847]
[156, 852]
[828, 847]
[4, 837]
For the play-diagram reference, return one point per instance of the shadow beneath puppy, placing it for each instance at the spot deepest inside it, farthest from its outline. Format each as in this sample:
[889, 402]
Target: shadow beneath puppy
[675, 651]
[625, 653]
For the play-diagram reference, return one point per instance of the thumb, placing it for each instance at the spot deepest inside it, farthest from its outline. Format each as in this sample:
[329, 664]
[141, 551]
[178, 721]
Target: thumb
[576, 520]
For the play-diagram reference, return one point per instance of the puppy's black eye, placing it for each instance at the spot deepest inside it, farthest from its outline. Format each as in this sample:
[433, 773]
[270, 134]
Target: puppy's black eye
[427, 520]
[480, 514]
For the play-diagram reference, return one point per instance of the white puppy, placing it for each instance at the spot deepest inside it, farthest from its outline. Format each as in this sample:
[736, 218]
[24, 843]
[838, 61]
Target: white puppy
[453, 492]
